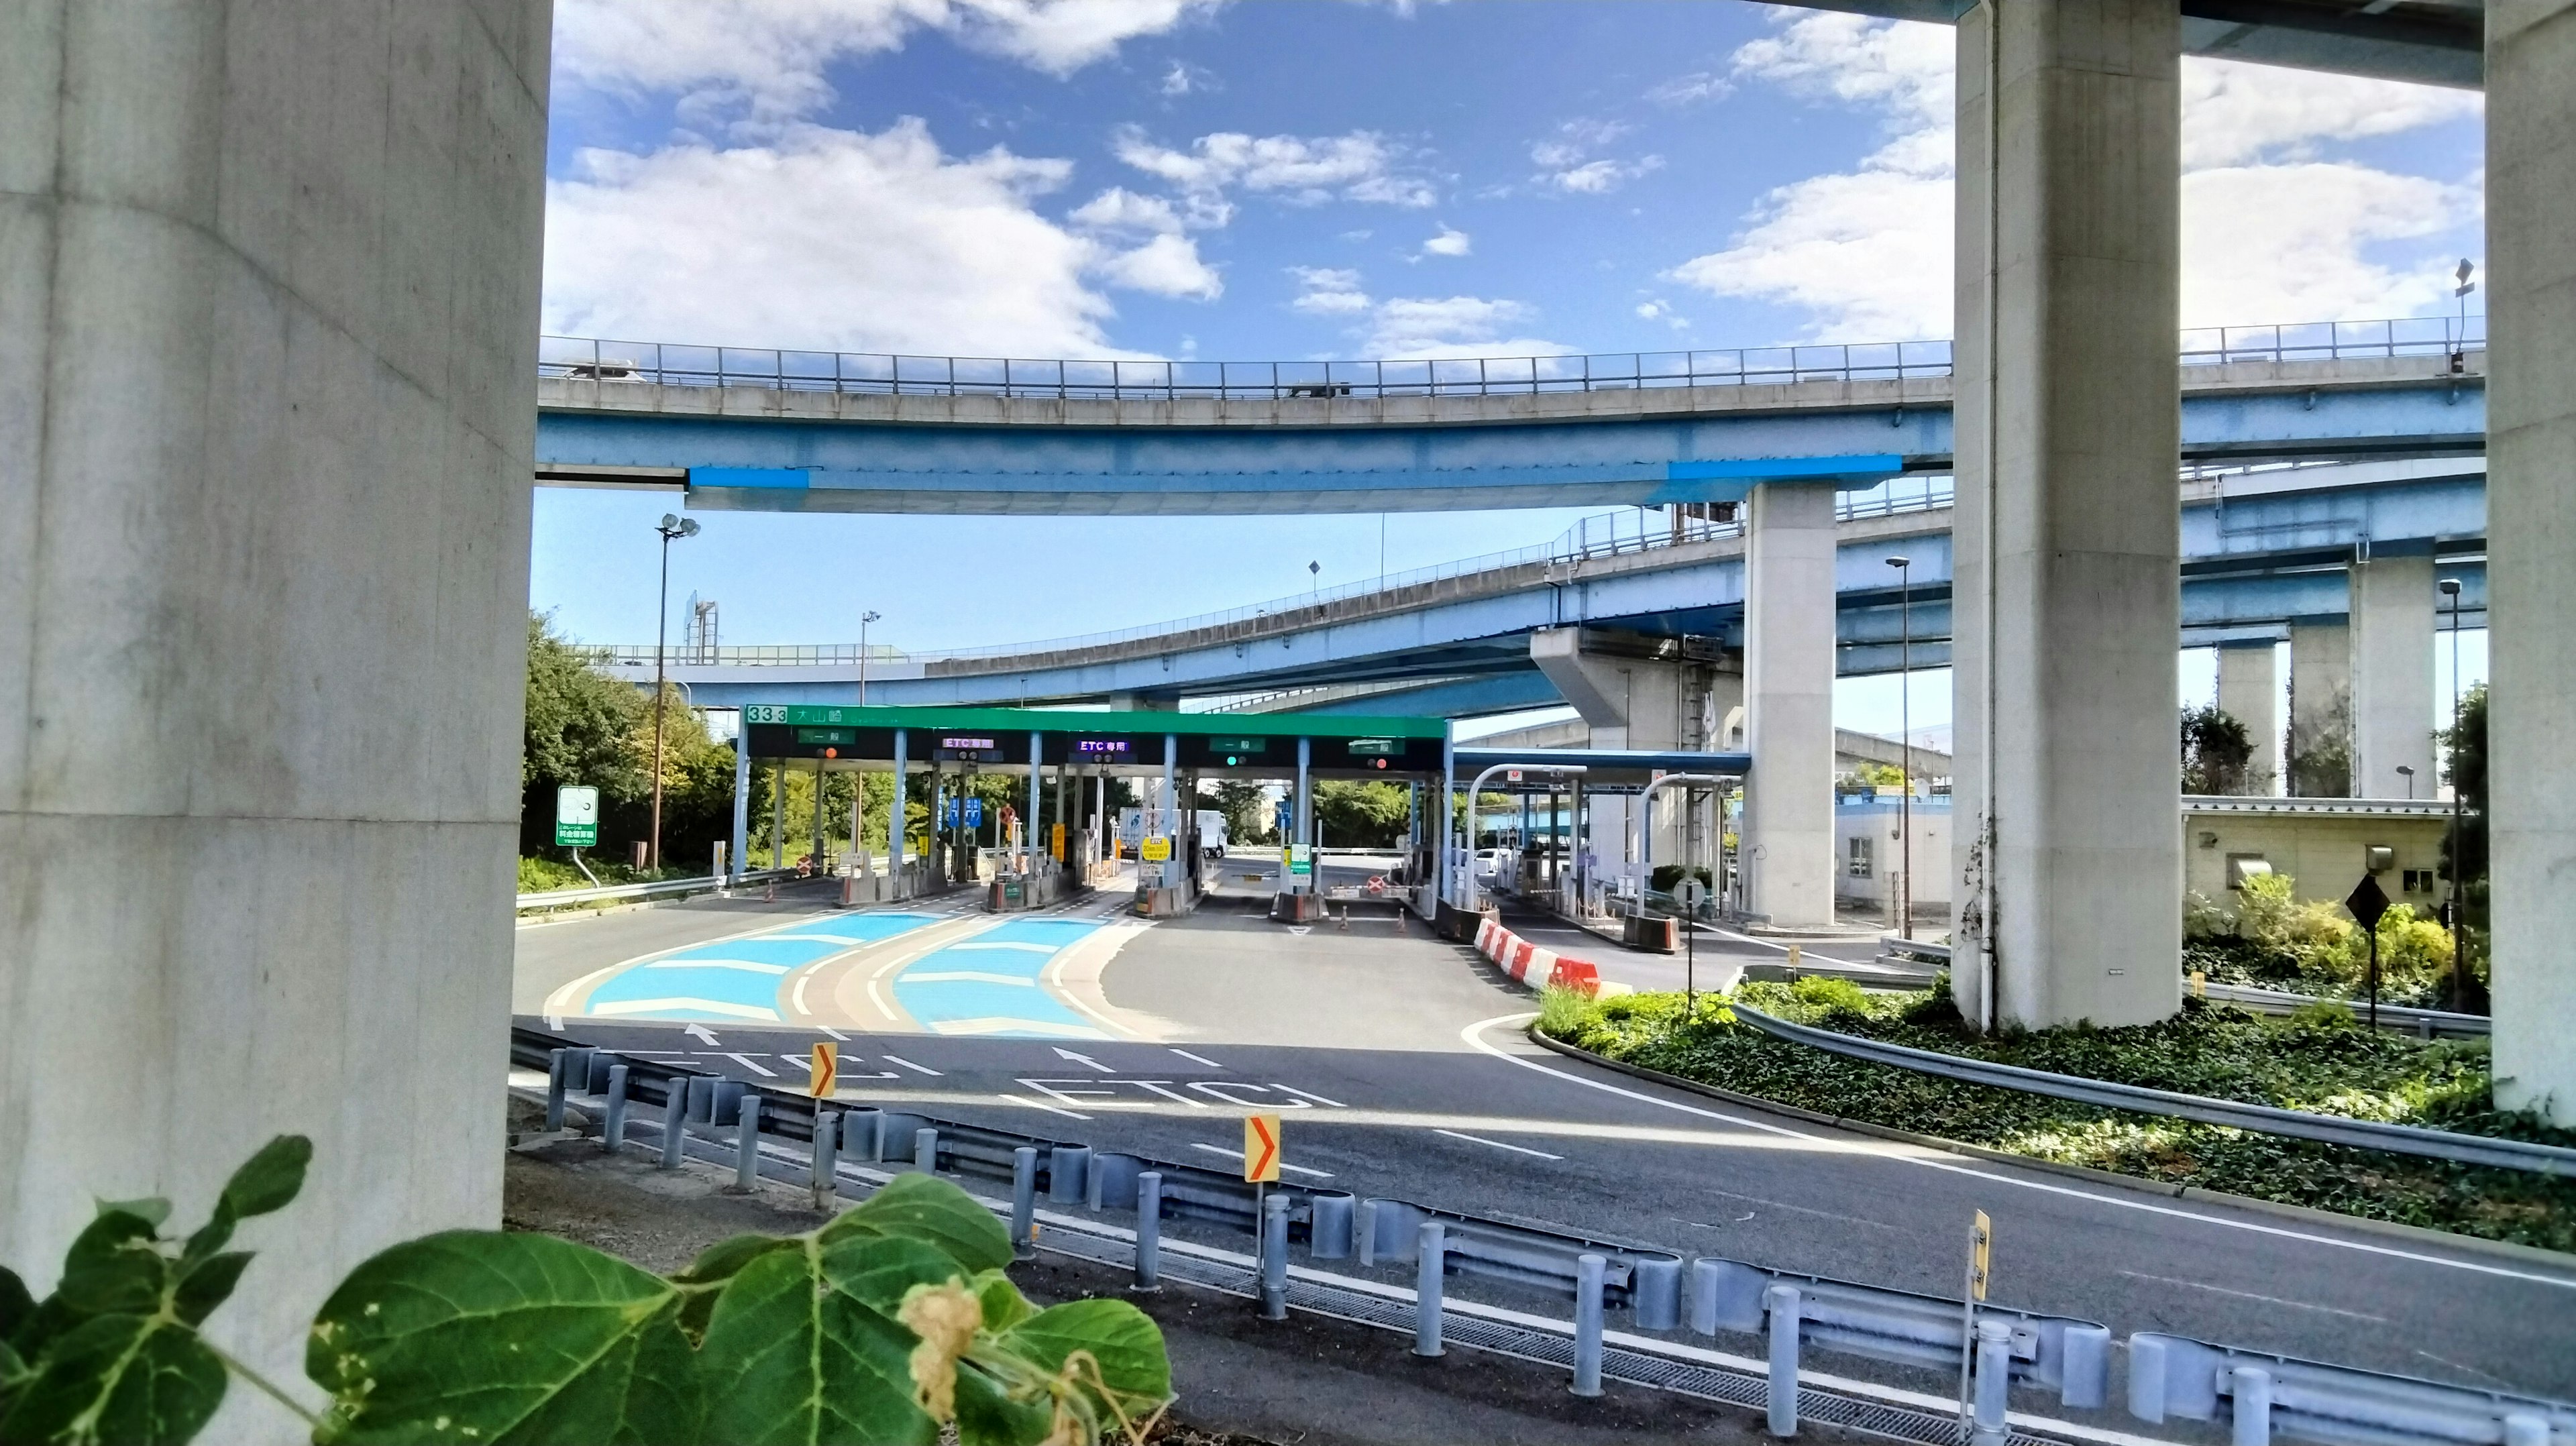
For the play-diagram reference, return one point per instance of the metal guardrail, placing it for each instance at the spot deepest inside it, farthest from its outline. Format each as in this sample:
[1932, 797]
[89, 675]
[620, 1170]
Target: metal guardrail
[2262, 1119]
[611, 893]
[884, 373]
[1989, 1349]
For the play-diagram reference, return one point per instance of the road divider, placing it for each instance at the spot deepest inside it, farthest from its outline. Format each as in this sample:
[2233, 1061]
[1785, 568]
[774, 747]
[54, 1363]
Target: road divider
[1525, 961]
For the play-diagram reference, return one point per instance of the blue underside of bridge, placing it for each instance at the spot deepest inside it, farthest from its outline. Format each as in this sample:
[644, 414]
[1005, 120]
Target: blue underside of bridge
[2252, 566]
[807, 466]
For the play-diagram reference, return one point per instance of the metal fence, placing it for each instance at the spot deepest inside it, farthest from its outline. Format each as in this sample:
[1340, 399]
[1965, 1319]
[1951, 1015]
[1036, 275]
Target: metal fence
[1155, 380]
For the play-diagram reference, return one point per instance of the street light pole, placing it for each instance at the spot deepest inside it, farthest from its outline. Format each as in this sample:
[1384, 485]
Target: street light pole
[864, 619]
[2459, 961]
[672, 528]
[1905, 748]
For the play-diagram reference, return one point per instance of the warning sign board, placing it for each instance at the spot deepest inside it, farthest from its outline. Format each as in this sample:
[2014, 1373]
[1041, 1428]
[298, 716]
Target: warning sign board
[827, 1071]
[1261, 1149]
[1154, 850]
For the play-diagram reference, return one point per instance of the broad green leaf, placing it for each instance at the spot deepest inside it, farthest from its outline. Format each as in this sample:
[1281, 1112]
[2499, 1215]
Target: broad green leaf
[1124, 1340]
[16, 1305]
[717, 1264]
[503, 1338]
[113, 1268]
[987, 1414]
[152, 1209]
[1004, 1306]
[934, 1211]
[269, 1180]
[793, 1356]
[210, 1237]
[118, 1380]
[207, 1284]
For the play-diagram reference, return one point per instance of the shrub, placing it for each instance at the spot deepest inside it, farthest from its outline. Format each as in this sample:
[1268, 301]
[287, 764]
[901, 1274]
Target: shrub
[1830, 996]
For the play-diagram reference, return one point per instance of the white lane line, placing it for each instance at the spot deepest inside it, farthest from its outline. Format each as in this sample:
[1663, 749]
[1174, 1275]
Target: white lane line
[1497, 1144]
[836, 1034]
[746, 966]
[969, 976]
[1284, 1165]
[667, 1006]
[1198, 1059]
[801, 981]
[2250, 1295]
[1041, 1104]
[908, 1064]
[1805, 951]
[1308, 1095]
[1022, 945]
[1473, 1036]
[755, 1066]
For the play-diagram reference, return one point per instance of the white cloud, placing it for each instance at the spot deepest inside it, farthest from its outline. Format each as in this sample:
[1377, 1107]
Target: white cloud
[1867, 253]
[1359, 166]
[1573, 141]
[1592, 178]
[1563, 167]
[1417, 328]
[767, 58]
[1119, 209]
[1184, 78]
[832, 240]
[1329, 291]
[1660, 310]
[1168, 265]
[1691, 89]
[1449, 242]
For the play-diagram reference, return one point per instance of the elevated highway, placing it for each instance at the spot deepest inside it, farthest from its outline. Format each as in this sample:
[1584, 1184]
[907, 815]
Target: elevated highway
[2263, 551]
[795, 432]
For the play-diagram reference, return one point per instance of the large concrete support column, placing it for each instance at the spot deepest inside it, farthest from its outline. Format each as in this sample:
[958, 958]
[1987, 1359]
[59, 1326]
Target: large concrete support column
[2067, 594]
[2320, 763]
[2531, 557]
[268, 314]
[1789, 701]
[2249, 690]
[2392, 676]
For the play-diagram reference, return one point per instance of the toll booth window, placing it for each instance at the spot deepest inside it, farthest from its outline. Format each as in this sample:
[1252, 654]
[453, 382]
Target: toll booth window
[2241, 867]
[1859, 864]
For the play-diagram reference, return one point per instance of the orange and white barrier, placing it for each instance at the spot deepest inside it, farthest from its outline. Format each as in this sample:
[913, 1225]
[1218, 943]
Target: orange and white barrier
[1525, 961]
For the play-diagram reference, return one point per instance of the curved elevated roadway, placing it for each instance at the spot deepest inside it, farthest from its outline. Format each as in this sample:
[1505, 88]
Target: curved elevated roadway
[1399, 1066]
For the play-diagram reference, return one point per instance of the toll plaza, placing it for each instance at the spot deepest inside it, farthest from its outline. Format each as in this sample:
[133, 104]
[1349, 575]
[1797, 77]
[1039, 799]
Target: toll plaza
[1058, 827]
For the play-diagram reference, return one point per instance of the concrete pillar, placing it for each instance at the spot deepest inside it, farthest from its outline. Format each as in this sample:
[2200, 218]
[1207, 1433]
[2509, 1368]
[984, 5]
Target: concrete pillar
[2392, 676]
[900, 815]
[2320, 762]
[268, 322]
[2531, 550]
[2249, 690]
[1789, 700]
[2067, 536]
[741, 800]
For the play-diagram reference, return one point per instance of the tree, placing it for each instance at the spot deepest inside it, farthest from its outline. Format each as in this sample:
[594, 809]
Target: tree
[2215, 752]
[1352, 813]
[1247, 810]
[2467, 745]
[580, 723]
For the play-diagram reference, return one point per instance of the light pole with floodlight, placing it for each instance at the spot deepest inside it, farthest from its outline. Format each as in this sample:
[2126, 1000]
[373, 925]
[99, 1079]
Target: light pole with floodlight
[2459, 961]
[864, 619]
[1905, 748]
[672, 528]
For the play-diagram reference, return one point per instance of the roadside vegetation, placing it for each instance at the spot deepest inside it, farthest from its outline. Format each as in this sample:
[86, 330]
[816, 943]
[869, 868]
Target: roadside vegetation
[2319, 1060]
[2276, 940]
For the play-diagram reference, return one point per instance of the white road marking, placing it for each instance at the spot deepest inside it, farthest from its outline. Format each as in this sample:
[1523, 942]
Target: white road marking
[747, 966]
[1308, 1095]
[666, 1006]
[1009, 1024]
[1198, 1059]
[1215, 1089]
[1284, 1165]
[755, 1066]
[1473, 1036]
[2250, 1295]
[908, 1064]
[970, 976]
[1043, 1105]
[836, 1034]
[1022, 945]
[879, 1000]
[801, 981]
[1497, 1144]
[1096, 1066]
[702, 1034]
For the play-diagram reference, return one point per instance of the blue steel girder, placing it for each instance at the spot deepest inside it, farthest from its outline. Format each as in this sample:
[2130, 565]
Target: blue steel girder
[796, 465]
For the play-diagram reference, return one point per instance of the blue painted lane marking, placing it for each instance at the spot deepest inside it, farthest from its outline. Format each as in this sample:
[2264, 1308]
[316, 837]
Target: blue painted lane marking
[994, 984]
[738, 979]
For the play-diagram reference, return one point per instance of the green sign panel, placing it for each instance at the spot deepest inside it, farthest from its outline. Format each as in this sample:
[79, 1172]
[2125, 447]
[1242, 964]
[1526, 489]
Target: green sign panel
[1380, 747]
[1238, 745]
[576, 817]
[1300, 859]
[842, 736]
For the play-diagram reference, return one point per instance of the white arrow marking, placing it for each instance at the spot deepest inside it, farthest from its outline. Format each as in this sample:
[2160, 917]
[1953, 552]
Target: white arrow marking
[908, 1064]
[1084, 1059]
[747, 1062]
[701, 1032]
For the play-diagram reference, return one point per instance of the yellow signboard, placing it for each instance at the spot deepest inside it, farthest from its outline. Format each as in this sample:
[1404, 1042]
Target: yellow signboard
[827, 1071]
[1981, 1243]
[1261, 1149]
[1154, 850]
[1059, 843]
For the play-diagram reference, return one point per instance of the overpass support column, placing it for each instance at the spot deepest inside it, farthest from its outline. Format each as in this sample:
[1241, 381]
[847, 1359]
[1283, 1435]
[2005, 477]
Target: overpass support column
[2067, 594]
[2531, 556]
[268, 314]
[2392, 676]
[741, 799]
[899, 815]
[1789, 701]
[2249, 690]
[2320, 762]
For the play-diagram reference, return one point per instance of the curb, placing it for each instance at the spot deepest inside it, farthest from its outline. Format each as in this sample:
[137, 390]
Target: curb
[2305, 1214]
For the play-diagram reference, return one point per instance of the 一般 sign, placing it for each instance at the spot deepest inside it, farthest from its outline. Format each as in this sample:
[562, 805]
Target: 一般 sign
[576, 817]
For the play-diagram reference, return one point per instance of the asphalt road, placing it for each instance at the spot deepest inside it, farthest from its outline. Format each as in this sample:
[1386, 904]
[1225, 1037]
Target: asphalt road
[1398, 1063]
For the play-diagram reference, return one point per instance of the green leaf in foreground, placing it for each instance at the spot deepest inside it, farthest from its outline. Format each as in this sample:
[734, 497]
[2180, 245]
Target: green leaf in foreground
[804, 1347]
[934, 1212]
[488, 1337]
[1123, 1341]
[118, 1380]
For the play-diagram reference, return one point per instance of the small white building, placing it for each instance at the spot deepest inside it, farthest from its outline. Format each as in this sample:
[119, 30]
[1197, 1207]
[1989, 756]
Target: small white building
[1871, 843]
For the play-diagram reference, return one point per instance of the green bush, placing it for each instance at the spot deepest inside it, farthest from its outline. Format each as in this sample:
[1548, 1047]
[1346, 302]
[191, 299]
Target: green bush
[887, 1324]
[2276, 940]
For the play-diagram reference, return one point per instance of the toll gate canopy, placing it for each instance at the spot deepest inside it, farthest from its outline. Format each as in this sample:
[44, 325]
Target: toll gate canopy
[1262, 745]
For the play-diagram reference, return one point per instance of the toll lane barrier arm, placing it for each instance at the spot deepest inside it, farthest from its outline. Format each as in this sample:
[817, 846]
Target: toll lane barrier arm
[611, 893]
[2262, 1119]
[2262, 1395]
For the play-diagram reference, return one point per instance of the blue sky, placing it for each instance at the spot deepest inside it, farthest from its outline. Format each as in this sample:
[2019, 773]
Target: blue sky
[1256, 181]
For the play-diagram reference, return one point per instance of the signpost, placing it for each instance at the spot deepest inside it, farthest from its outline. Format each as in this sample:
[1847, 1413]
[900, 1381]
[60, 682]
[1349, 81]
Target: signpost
[1690, 893]
[576, 817]
[1981, 1243]
[2367, 902]
[827, 1071]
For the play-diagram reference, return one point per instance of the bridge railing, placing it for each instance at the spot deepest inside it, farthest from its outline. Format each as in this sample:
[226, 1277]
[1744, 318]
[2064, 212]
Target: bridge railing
[1144, 379]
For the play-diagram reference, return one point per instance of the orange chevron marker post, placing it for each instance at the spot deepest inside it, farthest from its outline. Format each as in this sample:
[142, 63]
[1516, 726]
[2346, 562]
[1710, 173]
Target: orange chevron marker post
[1261, 1149]
[827, 1070]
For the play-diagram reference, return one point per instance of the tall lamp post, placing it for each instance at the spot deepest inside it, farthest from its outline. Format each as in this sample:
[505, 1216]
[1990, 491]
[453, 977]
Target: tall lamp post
[1905, 748]
[2459, 962]
[864, 619]
[672, 528]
